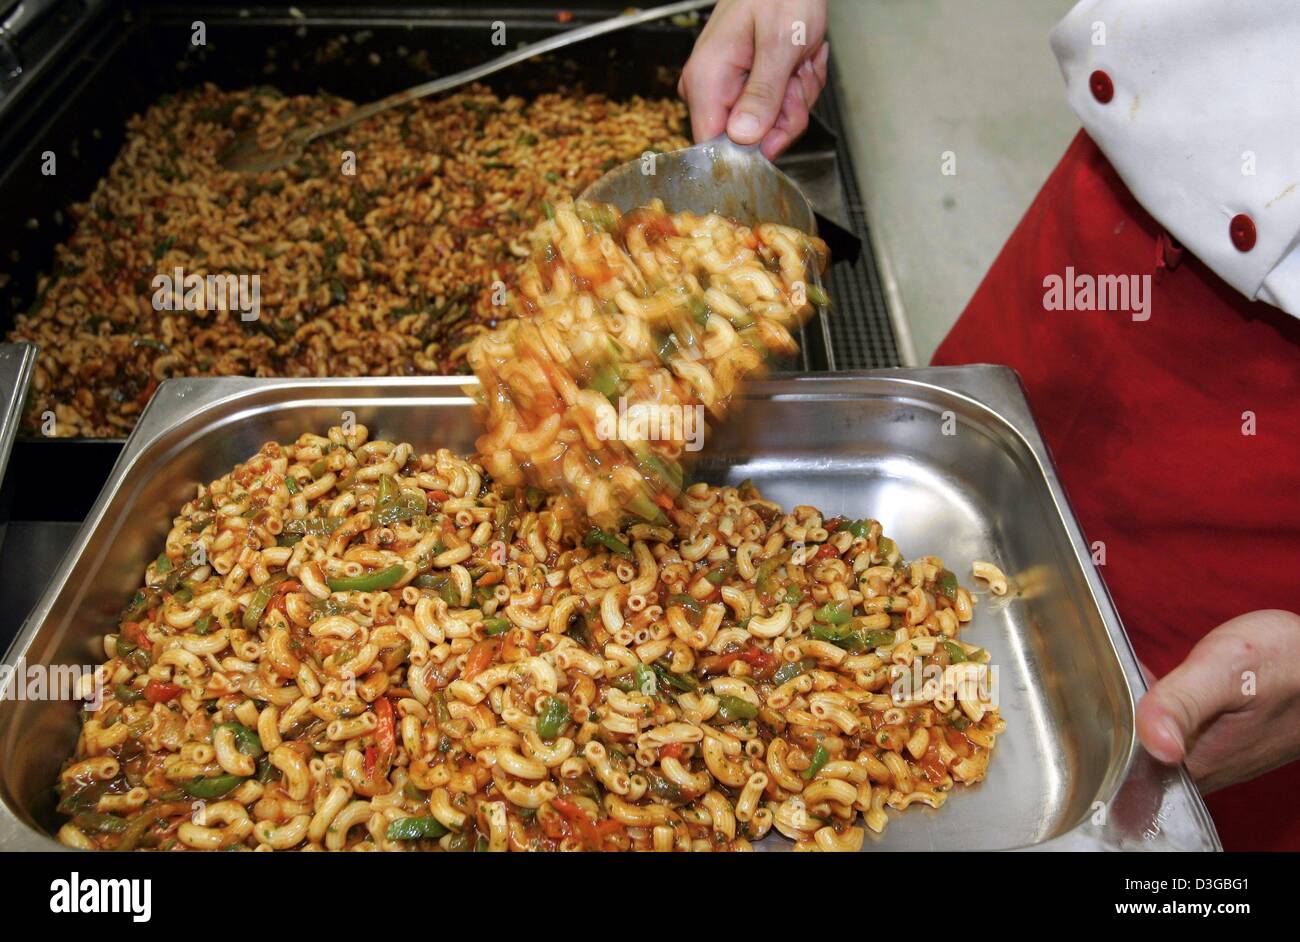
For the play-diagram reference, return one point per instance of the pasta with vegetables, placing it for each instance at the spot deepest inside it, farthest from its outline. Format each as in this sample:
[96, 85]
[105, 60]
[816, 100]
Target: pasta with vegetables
[350, 645]
[628, 330]
[384, 271]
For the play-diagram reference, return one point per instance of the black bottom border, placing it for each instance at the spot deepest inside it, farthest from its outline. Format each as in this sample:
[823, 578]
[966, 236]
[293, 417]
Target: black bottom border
[1068, 891]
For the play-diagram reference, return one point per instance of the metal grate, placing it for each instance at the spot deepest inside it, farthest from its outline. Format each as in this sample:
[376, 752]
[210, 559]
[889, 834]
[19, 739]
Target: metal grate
[862, 334]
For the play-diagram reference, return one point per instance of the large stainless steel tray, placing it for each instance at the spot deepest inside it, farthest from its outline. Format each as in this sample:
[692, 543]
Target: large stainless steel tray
[948, 459]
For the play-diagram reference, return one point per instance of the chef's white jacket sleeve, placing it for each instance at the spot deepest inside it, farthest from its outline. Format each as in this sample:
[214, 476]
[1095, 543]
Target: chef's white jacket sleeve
[1196, 103]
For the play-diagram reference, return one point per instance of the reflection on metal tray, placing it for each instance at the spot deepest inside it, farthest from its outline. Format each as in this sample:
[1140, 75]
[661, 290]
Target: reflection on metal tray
[861, 445]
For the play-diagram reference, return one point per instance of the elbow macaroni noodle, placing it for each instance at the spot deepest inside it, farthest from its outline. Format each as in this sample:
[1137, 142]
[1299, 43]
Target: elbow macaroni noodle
[361, 670]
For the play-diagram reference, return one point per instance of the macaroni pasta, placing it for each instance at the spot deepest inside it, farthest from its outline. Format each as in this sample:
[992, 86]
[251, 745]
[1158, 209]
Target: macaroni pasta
[347, 644]
[628, 330]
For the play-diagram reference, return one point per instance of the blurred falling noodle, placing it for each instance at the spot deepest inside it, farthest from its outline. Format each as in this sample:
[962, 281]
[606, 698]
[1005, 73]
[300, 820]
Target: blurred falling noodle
[617, 313]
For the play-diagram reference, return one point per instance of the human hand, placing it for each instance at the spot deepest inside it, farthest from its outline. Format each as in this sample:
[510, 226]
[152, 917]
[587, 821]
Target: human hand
[755, 73]
[1231, 710]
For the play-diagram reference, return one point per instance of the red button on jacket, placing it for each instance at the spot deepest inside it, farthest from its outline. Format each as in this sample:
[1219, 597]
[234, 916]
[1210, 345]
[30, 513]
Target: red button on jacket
[1103, 89]
[1242, 229]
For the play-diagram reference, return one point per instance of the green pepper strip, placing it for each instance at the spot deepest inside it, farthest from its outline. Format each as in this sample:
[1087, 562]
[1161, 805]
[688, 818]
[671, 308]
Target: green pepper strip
[719, 573]
[598, 537]
[879, 638]
[792, 669]
[646, 680]
[495, 626]
[506, 514]
[140, 603]
[597, 214]
[416, 829]
[266, 772]
[764, 573]
[955, 654]
[257, 606]
[246, 740]
[845, 637]
[683, 682]
[443, 584]
[669, 474]
[948, 584]
[80, 796]
[146, 819]
[662, 788]
[836, 613]
[553, 719]
[832, 633]
[213, 787]
[100, 823]
[371, 581]
[731, 709]
[393, 505]
[688, 602]
[313, 526]
[820, 758]
[440, 711]
[605, 381]
[645, 508]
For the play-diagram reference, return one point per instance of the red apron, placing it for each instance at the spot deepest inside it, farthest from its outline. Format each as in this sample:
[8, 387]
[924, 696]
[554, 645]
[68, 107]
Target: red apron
[1145, 421]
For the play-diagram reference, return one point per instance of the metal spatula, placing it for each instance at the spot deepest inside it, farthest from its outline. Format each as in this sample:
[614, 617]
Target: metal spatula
[717, 176]
[245, 155]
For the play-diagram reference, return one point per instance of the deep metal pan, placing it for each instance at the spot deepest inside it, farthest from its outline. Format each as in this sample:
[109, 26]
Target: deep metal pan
[950, 461]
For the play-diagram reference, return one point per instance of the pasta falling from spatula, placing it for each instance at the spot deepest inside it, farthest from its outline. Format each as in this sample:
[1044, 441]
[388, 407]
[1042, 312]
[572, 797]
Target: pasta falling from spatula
[627, 332]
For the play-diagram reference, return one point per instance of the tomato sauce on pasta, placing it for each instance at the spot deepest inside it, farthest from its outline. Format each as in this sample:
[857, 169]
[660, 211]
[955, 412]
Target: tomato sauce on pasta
[347, 644]
[627, 330]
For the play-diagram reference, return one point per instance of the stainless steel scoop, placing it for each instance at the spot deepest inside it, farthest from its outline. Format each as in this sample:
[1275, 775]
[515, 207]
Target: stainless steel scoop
[718, 176]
